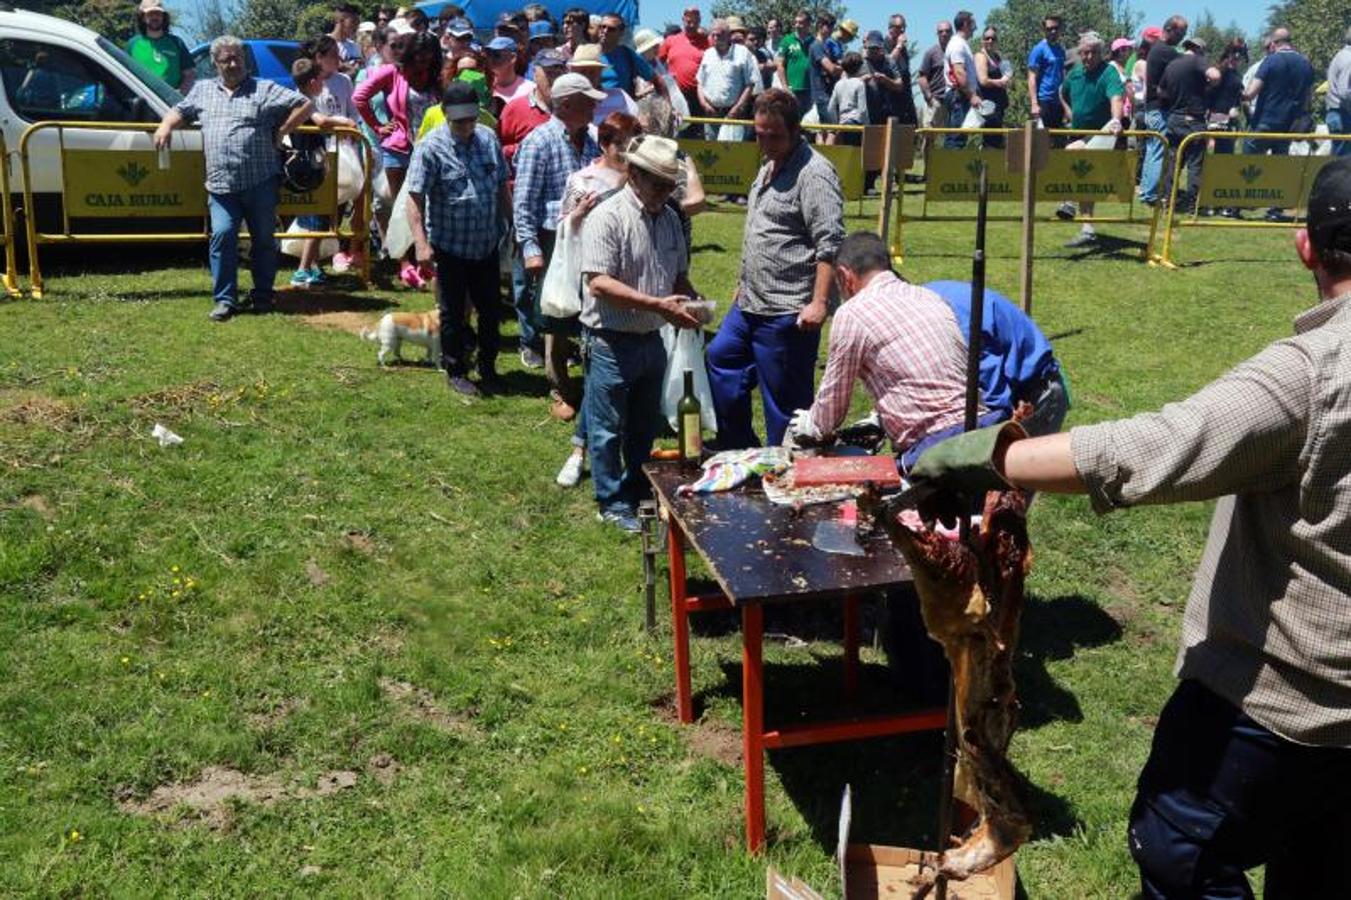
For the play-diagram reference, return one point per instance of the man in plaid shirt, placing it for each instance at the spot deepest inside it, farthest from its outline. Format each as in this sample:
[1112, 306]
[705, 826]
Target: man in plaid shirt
[900, 339]
[1251, 762]
[459, 175]
[242, 120]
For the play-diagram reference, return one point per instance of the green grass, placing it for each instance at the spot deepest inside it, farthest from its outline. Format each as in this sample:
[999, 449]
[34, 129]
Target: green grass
[348, 528]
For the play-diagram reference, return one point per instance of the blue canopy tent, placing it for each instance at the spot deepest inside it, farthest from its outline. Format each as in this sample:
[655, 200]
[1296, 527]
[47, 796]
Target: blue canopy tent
[484, 13]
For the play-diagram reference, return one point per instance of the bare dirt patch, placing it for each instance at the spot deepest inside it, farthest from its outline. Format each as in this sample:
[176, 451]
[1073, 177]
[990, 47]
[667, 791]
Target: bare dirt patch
[707, 737]
[36, 409]
[420, 704]
[278, 713]
[38, 504]
[350, 322]
[383, 768]
[181, 398]
[360, 542]
[331, 783]
[211, 797]
[317, 576]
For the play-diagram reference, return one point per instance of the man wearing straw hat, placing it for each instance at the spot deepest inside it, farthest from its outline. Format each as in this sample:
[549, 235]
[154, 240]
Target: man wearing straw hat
[637, 275]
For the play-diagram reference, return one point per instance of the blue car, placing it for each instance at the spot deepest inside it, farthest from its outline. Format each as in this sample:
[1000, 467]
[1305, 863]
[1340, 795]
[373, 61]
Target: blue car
[264, 59]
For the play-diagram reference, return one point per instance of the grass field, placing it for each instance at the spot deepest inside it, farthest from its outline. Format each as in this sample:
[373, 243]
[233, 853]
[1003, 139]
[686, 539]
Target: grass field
[363, 604]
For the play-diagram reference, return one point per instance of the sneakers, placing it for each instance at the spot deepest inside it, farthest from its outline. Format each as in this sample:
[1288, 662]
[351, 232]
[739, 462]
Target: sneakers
[261, 307]
[571, 473]
[342, 262]
[308, 278]
[222, 312]
[462, 386]
[530, 359]
[317, 277]
[1066, 211]
[412, 276]
[623, 519]
[1082, 239]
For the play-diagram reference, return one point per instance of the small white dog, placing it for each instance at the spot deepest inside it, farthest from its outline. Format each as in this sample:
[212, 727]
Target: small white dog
[422, 328]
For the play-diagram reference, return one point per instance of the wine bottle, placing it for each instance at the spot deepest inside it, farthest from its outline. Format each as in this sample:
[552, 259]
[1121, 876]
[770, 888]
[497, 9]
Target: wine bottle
[688, 413]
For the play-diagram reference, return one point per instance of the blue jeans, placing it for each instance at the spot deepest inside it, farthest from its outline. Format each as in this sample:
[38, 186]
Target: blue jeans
[1337, 124]
[523, 294]
[1219, 795]
[258, 207]
[622, 406]
[1257, 146]
[958, 106]
[1151, 173]
[771, 351]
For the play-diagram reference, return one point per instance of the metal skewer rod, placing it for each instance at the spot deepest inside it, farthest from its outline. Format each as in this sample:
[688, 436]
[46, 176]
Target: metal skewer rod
[976, 325]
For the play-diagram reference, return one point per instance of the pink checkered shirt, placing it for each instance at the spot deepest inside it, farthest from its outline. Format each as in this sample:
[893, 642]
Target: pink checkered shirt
[903, 341]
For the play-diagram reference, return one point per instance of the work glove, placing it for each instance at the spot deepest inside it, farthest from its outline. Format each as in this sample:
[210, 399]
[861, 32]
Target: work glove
[802, 431]
[959, 470]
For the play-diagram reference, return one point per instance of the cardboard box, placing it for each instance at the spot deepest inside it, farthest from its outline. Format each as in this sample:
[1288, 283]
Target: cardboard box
[876, 872]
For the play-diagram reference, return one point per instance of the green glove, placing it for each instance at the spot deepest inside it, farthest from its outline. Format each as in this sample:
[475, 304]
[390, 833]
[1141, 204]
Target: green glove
[965, 464]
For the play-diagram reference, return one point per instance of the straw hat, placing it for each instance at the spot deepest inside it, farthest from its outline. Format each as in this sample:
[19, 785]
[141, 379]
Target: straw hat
[847, 29]
[587, 56]
[734, 24]
[646, 39]
[655, 156]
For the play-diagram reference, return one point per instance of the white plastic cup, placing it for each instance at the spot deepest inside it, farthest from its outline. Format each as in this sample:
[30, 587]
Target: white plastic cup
[164, 158]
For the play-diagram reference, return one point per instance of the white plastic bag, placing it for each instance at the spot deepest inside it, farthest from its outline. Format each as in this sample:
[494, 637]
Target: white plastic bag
[973, 119]
[685, 350]
[731, 134]
[351, 175]
[398, 234]
[560, 294]
[293, 246]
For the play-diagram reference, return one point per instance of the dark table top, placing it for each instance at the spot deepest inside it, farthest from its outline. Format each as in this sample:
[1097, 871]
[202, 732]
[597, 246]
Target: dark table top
[760, 552]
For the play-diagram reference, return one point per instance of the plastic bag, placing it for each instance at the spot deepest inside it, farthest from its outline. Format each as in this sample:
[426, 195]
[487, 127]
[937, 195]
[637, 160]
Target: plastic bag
[293, 246]
[398, 234]
[685, 350]
[351, 176]
[731, 134]
[560, 294]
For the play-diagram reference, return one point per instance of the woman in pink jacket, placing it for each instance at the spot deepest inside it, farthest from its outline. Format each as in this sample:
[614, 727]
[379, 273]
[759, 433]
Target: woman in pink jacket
[410, 88]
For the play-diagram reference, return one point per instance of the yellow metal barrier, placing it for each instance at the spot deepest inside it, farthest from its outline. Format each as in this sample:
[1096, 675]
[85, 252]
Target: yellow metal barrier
[1274, 192]
[1006, 186]
[729, 167]
[11, 236]
[139, 188]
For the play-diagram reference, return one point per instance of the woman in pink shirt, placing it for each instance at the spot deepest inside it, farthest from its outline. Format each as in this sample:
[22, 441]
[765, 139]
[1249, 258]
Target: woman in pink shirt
[410, 88]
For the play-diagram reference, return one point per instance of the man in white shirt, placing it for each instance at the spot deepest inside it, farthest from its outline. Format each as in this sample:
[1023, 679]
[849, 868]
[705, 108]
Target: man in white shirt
[1339, 96]
[959, 67]
[727, 76]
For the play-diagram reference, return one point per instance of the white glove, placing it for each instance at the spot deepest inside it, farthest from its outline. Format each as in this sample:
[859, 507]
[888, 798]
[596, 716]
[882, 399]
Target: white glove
[802, 431]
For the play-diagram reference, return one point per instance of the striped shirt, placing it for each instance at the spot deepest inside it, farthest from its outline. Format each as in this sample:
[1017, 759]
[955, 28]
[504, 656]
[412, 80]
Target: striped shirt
[903, 341]
[1268, 622]
[544, 161]
[239, 130]
[462, 181]
[644, 252]
[794, 220]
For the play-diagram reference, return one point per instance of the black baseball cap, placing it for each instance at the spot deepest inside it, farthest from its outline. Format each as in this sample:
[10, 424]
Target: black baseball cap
[1329, 219]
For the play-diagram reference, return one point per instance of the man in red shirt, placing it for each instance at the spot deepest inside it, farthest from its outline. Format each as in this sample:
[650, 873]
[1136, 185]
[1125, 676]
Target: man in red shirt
[524, 114]
[682, 54]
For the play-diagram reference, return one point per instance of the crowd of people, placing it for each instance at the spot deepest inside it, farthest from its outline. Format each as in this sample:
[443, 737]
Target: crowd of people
[488, 146]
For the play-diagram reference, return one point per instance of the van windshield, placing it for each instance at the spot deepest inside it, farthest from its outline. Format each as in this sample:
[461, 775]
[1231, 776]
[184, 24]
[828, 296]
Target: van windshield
[158, 85]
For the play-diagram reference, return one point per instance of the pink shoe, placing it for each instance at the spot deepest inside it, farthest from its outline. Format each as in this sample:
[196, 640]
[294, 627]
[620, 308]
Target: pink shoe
[408, 274]
[342, 262]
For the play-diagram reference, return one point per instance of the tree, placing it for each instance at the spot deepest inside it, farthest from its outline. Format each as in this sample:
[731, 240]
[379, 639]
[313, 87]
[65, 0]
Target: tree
[1316, 26]
[758, 12]
[1020, 26]
[1215, 37]
[214, 18]
[269, 18]
[114, 19]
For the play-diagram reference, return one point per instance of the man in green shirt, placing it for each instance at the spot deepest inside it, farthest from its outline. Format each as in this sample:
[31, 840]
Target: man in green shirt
[159, 51]
[795, 63]
[1093, 97]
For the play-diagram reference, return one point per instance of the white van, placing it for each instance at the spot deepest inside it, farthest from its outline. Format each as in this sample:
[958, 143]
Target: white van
[51, 69]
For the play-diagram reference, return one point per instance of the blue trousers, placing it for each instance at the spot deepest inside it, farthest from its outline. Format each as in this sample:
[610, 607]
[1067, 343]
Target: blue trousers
[1258, 146]
[1337, 124]
[1152, 187]
[771, 351]
[525, 297]
[958, 106]
[1221, 794]
[622, 407]
[258, 207]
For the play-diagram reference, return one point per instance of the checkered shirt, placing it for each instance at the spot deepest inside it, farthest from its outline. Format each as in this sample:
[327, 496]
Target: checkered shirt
[461, 181]
[793, 221]
[645, 252]
[544, 161]
[1268, 622]
[239, 130]
[903, 341]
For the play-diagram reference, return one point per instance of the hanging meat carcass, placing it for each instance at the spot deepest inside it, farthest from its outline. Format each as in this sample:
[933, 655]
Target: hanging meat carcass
[971, 597]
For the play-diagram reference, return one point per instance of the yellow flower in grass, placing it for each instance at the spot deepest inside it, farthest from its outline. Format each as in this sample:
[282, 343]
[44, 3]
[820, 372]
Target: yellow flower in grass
[74, 837]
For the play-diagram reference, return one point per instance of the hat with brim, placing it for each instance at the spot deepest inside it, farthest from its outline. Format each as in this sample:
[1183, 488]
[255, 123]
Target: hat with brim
[550, 59]
[1329, 215]
[460, 101]
[460, 28]
[657, 156]
[365, 26]
[501, 44]
[1122, 44]
[874, 39]
[847, 29]
[148, 6]
[734, 24]
[587, 56]
[399, 26]
[1152, 34]
[571, 84]
[1194, 43]
[646, 39]
[541, 29]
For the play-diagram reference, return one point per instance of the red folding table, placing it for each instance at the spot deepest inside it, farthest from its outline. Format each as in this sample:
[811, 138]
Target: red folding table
[760, 552]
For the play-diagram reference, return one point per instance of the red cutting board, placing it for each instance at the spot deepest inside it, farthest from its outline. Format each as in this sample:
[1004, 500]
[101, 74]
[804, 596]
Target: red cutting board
[813, 470]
